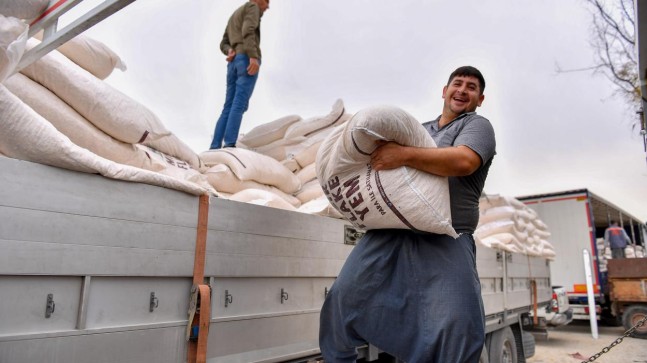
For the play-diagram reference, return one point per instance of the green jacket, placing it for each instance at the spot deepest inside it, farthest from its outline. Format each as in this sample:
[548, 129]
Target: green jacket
[243, 32]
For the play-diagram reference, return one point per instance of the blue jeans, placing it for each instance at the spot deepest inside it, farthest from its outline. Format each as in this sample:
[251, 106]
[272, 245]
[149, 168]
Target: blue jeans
[415, 296]
[240, 86]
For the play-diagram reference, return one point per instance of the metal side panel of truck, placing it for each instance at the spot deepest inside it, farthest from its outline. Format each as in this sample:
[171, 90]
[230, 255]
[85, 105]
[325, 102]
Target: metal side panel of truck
[576, 219]
[100, 270]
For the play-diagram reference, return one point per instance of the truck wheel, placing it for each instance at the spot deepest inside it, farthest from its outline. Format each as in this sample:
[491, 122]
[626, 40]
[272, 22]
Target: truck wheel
[632, 316]
[484, 356]
[502, 348]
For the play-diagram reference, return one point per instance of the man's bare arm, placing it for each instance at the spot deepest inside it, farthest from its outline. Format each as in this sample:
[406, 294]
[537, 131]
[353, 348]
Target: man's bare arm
[447, 161]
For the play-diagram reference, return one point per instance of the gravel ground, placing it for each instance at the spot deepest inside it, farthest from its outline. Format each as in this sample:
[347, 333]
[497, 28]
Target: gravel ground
[573, 343]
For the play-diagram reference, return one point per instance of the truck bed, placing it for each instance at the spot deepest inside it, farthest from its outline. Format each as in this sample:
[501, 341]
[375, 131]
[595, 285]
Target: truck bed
[115, 261]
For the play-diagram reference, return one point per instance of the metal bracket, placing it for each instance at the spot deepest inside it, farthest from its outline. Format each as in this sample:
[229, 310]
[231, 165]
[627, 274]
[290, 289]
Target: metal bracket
[228, 298]
[284, 295]
[153, 302]
[352, 235]
[50, 307]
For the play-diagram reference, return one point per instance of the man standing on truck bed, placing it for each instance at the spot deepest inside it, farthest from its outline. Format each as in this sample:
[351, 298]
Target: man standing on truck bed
[417, 295]
[241, 45]
[616, 238]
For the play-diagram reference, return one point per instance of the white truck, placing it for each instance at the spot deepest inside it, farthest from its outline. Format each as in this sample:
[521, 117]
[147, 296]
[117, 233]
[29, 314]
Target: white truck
[99, 270]
[577, 220]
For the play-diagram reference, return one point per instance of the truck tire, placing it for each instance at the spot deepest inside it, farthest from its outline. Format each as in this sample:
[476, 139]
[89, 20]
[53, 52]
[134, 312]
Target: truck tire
[502, 348]
[632, 316]
[484, 356]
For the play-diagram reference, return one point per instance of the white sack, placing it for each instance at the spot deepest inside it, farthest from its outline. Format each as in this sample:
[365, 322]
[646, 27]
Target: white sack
[71, 124]
[224, 180]
[90, 54]
[279, 149]
[320, 207]
[310, 191]
[172, 145]
[399, 198]
[28, 136]
[305, 152]
[13, 39]
[179, 169]
[23, 9]
[308, 173]
[496, 213]
[107, 108]
[314, 124]
[291, 164]
[268, 132]
[262, 197]
[249, 165]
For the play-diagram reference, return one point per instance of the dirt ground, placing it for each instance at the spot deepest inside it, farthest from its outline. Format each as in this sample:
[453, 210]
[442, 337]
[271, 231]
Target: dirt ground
[573, 343]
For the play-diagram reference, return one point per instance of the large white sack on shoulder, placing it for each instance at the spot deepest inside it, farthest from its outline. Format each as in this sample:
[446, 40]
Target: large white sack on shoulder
[224, 180]
[13, 39]
[496, 213]
[107, 108]
[309, 191]
[171, 166]
[314, 124]
[278, 150]
[28, 136]
[269, 132]
[307, 174]
[71, 124]
[249, 165]
[320, 207]
[262, 197]
[90, 54]
[23, 9]
[175, 147]
[403, 198]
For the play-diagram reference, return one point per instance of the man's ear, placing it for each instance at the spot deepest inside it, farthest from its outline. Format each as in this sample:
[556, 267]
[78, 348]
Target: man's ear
[481, 98]
[445, 91]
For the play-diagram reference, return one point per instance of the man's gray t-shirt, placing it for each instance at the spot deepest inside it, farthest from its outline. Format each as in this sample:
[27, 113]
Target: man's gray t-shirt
[475, 132]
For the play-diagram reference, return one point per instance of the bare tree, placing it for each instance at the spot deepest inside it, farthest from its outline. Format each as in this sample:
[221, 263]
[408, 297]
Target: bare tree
[614, 40]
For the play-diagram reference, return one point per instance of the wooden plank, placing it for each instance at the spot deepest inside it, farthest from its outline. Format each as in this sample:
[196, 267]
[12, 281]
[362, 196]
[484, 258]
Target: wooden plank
[628, 290]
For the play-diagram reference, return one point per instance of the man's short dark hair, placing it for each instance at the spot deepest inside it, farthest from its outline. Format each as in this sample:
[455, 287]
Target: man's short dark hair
[468, 71]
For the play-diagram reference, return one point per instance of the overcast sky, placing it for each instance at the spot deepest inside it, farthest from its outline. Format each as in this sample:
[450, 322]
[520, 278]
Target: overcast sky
[555, 132]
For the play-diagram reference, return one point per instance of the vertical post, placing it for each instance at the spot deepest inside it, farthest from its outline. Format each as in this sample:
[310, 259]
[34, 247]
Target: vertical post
[589, 292]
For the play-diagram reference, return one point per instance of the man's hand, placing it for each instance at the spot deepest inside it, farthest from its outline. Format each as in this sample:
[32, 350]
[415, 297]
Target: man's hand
[388, 155]
[253, 67]
[230, 55]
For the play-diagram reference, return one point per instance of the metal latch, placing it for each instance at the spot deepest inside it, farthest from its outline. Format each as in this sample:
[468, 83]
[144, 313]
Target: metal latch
[228, 298]
[50, 307]
[352, 235]
[284, 295]
[153, 303]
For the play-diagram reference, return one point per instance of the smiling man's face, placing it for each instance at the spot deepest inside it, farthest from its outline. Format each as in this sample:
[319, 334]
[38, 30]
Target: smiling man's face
[462, 94]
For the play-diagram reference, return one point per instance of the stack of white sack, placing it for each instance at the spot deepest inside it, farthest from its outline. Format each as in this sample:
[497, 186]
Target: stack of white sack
[604, 254]
[248, 176]
[508, 224]
[403, 197]
[274, 164]
[89, 118]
